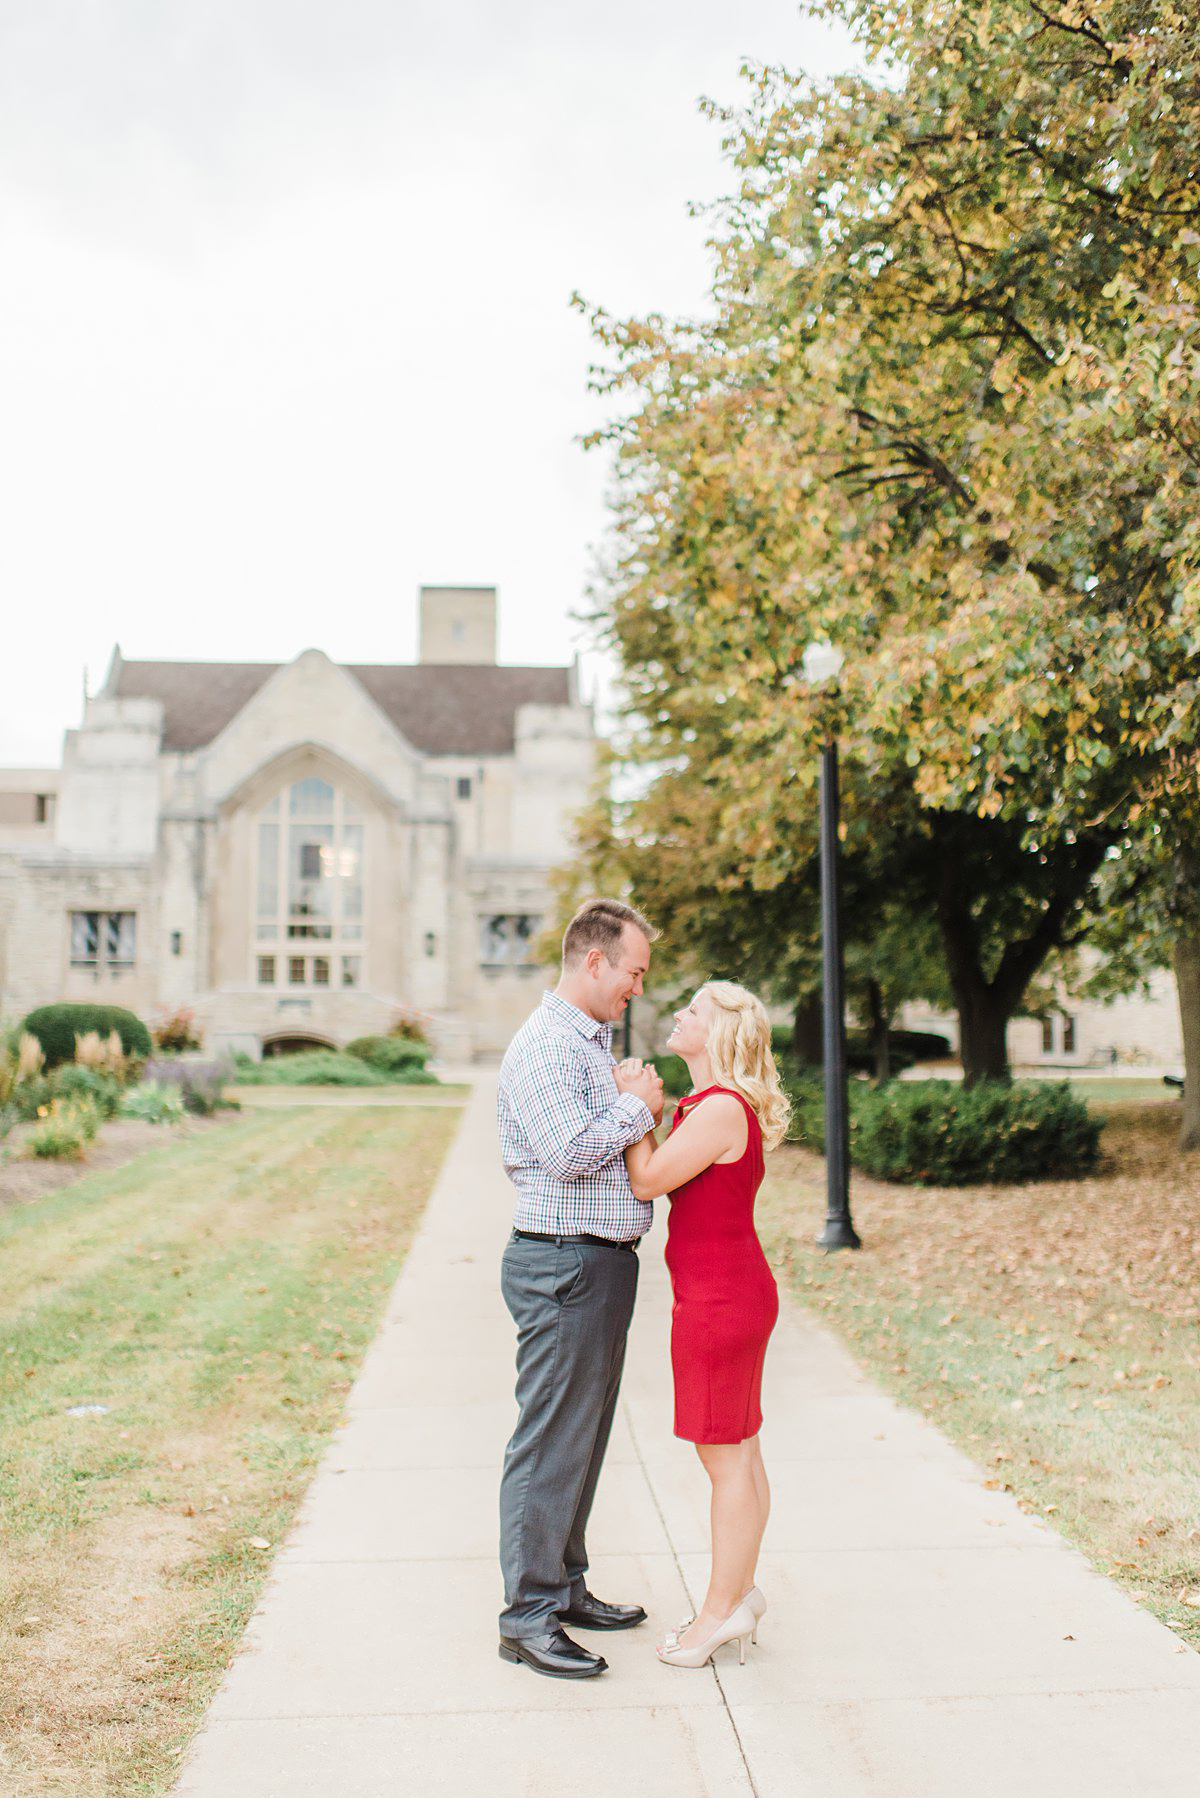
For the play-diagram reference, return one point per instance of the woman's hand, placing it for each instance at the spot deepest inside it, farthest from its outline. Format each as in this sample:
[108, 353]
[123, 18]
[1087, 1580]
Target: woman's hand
[641, 1079]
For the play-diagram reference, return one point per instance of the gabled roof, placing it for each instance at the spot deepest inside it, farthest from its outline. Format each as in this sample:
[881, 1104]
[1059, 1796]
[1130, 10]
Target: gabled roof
[441, 708]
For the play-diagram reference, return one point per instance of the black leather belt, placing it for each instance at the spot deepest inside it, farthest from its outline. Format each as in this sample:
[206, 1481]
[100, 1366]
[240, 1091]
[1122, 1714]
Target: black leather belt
[603, 1242]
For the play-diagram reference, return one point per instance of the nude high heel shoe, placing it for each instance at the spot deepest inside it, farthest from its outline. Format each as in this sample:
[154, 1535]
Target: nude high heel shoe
[737, 1626]
[754, 1601]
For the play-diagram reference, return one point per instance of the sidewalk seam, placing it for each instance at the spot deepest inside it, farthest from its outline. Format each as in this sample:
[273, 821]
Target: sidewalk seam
[645, 1471]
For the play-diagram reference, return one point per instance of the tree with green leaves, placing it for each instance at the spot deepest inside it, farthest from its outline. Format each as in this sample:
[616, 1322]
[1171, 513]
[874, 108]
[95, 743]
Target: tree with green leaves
[669, 849]
[944, 414]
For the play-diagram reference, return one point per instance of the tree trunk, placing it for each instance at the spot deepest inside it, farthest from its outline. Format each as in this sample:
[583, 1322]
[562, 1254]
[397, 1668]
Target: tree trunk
[1187, 976]
[983, 1008]
[807, 1044]
[985, 1005]
[983, 1031]
[880, 1022]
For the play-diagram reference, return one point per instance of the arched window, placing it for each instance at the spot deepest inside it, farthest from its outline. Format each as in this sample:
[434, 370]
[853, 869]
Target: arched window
[309, 888]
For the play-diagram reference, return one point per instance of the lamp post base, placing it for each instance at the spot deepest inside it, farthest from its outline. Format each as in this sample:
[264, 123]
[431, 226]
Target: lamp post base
[839, 1233]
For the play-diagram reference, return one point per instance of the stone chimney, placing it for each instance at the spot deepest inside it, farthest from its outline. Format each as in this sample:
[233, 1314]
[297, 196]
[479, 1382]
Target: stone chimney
[458, 624]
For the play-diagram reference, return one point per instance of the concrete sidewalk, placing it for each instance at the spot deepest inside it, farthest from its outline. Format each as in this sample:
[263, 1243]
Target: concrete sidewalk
[925, 1638]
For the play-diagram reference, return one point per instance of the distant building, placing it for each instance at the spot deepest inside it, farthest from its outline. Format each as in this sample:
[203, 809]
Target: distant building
[1140, 1032]
[300, 851]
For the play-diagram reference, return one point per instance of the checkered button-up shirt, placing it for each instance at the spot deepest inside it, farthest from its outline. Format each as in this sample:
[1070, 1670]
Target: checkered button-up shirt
[564, 1127]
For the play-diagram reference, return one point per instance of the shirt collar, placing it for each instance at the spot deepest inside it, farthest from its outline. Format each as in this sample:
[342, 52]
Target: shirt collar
[579, 1020]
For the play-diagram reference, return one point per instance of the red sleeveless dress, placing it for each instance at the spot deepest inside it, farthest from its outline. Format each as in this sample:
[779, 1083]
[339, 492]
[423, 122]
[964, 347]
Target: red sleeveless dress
[726, 1301]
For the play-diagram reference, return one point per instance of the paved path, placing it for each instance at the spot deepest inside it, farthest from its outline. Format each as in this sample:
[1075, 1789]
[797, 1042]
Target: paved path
[925, 1638]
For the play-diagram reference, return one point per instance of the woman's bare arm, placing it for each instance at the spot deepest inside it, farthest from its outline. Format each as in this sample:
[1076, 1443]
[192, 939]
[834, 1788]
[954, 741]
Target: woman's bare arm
[715, 1127]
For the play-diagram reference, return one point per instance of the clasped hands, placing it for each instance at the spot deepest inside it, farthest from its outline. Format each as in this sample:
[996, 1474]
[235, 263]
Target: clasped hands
[639, 1077]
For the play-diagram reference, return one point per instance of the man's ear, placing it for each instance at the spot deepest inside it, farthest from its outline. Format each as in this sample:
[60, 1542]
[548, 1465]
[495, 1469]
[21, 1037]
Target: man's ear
[592, 960]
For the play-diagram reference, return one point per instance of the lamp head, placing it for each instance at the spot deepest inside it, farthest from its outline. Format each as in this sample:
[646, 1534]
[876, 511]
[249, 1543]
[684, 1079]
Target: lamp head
[821, 662]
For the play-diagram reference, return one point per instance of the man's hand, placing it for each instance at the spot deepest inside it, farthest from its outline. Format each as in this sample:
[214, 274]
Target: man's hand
[640, 1079]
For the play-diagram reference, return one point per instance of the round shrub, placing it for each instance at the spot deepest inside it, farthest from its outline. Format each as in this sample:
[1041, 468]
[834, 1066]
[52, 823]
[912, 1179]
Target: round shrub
[389, 1053]
[57, 1026]
[310, 1067]
[937, 1133]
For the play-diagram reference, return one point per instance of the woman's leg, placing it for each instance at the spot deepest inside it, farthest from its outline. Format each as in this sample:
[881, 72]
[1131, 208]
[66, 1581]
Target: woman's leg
[737, 1526]
[763, 1493]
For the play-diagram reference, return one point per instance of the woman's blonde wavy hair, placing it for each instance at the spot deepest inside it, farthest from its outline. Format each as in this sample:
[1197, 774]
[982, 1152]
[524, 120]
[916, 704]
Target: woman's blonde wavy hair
[739, 1050]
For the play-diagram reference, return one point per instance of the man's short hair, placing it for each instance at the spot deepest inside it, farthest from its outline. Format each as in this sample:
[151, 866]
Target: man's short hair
[600, 924]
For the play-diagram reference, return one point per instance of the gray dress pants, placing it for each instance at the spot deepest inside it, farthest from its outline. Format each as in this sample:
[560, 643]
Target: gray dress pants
[572, 1303]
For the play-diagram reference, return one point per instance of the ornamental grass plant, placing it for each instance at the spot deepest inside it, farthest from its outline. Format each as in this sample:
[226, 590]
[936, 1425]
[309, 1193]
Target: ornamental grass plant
[68, 1127]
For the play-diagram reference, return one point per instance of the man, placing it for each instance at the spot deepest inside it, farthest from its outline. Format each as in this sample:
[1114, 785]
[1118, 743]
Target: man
[569, 1279]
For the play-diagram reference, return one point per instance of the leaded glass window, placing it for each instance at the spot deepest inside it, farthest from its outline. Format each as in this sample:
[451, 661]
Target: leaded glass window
[309, 880]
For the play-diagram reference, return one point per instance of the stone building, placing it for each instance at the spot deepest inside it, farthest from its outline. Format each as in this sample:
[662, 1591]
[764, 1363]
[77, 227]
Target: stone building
[301, 851]
[1139, 1033]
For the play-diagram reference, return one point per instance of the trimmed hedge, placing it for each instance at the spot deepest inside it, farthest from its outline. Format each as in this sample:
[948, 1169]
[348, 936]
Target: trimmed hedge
[327, 1067]
[308, 1067]
[57, 1026]
[389, 1053]
[940, 1133]
[674, 1075]
[805, 1087]
[936, 1133]
[905, 1049]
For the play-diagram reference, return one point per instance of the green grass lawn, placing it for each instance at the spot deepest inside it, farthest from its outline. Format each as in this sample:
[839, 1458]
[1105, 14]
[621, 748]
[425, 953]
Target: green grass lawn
[1052, 1330]
[1101, 1093]
[216, 1295]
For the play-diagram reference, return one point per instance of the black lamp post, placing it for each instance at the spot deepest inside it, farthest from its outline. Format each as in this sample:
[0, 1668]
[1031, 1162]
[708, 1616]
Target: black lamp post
[822, 663]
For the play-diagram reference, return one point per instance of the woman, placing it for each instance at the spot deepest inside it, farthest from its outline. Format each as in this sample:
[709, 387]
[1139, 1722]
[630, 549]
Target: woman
[726, 1303]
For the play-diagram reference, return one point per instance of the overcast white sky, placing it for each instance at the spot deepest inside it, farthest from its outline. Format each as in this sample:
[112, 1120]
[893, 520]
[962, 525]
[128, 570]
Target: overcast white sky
[284, 322]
